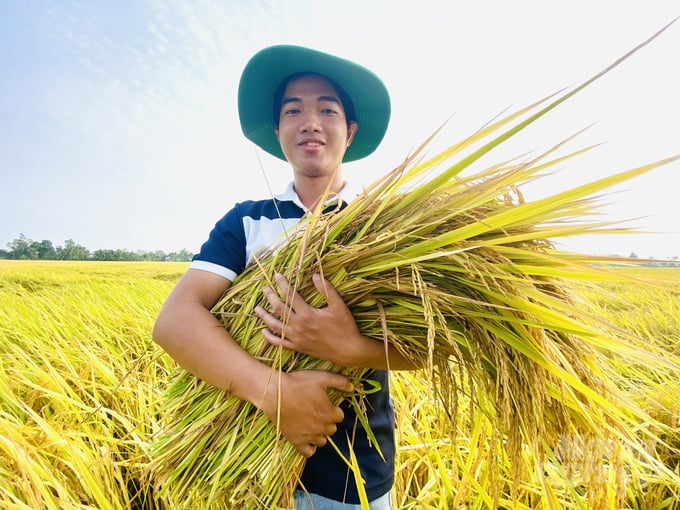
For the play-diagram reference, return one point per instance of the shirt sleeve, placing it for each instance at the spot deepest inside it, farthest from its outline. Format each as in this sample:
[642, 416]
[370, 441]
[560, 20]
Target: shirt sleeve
[224, 253]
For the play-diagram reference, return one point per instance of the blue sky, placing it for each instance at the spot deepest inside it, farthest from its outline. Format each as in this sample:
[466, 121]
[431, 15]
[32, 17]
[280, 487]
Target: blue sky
[119, 129]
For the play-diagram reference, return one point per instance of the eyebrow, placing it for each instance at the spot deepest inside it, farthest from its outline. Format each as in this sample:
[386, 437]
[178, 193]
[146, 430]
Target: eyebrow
[332, 99]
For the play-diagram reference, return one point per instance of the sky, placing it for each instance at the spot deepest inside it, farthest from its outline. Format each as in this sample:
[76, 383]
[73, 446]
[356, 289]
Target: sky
[119, 127]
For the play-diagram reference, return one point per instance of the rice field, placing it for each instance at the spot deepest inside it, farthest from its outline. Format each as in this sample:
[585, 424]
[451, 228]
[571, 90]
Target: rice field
[81, 383]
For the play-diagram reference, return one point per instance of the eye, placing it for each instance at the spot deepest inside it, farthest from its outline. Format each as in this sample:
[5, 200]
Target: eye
[291, 111]
[329, 111]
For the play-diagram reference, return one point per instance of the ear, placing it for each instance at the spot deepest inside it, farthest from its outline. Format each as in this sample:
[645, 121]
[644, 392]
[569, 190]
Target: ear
[276, 134]
[351, 131]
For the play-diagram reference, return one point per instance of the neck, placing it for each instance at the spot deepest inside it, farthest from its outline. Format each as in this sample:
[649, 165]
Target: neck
[313, 189]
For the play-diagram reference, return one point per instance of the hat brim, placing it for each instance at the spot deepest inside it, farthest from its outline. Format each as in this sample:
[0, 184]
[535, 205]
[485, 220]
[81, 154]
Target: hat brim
[267, 68]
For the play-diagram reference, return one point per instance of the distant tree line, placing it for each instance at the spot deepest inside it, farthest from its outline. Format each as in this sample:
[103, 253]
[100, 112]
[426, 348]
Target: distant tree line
[23, 248]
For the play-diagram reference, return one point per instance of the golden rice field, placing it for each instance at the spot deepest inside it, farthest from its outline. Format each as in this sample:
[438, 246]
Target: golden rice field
[81, 383]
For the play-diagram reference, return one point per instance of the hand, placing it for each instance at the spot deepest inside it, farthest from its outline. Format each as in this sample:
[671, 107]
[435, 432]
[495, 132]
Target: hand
[328, 333]
[303, 412]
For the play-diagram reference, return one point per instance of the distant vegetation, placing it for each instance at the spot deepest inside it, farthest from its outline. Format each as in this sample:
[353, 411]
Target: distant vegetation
[23, 248]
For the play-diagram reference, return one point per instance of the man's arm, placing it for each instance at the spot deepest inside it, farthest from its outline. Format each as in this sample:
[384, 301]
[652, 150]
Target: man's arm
[188, 331]
[328, 333]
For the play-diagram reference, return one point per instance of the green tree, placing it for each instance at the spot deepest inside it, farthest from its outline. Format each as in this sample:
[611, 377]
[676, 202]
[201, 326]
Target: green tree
[44, 250]
[20, 248]
[183, 255]
[72, 251]
[102, 255]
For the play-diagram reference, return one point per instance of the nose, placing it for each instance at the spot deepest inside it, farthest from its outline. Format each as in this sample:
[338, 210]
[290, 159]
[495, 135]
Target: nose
[310, 123]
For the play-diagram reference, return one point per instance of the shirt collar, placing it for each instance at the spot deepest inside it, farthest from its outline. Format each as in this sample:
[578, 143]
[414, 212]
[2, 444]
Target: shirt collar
[346, 194]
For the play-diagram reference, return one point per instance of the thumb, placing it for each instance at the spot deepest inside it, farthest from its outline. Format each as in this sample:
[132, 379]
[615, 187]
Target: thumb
[338, 381]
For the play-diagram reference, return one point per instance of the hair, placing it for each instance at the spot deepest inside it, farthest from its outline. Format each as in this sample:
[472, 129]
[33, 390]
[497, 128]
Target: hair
[345, 100]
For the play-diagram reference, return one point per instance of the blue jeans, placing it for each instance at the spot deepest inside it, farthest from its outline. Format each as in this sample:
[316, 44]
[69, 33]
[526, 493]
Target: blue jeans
[305, 501]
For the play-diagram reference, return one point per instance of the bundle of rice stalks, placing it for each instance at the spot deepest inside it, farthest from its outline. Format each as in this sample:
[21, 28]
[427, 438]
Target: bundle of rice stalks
[459, 274]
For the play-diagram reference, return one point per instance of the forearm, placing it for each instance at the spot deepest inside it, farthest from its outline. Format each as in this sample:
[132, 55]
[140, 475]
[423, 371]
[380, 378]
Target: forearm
[194, 338]
[371, 353]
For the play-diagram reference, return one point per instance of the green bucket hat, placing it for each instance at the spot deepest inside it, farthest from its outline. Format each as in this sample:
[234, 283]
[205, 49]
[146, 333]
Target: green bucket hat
[268, 68]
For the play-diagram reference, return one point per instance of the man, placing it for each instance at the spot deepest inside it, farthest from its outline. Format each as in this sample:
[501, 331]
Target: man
[314, 110]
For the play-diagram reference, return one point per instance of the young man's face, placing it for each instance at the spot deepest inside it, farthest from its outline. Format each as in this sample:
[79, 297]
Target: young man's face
[313, 130]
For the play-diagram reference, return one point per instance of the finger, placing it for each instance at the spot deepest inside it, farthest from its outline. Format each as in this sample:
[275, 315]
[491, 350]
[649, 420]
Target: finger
[307, 450]
[327, 290]
[293, 299]
[275, 325]
[333, 428]
[277, 339]
[338, 416]
[277, 305]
